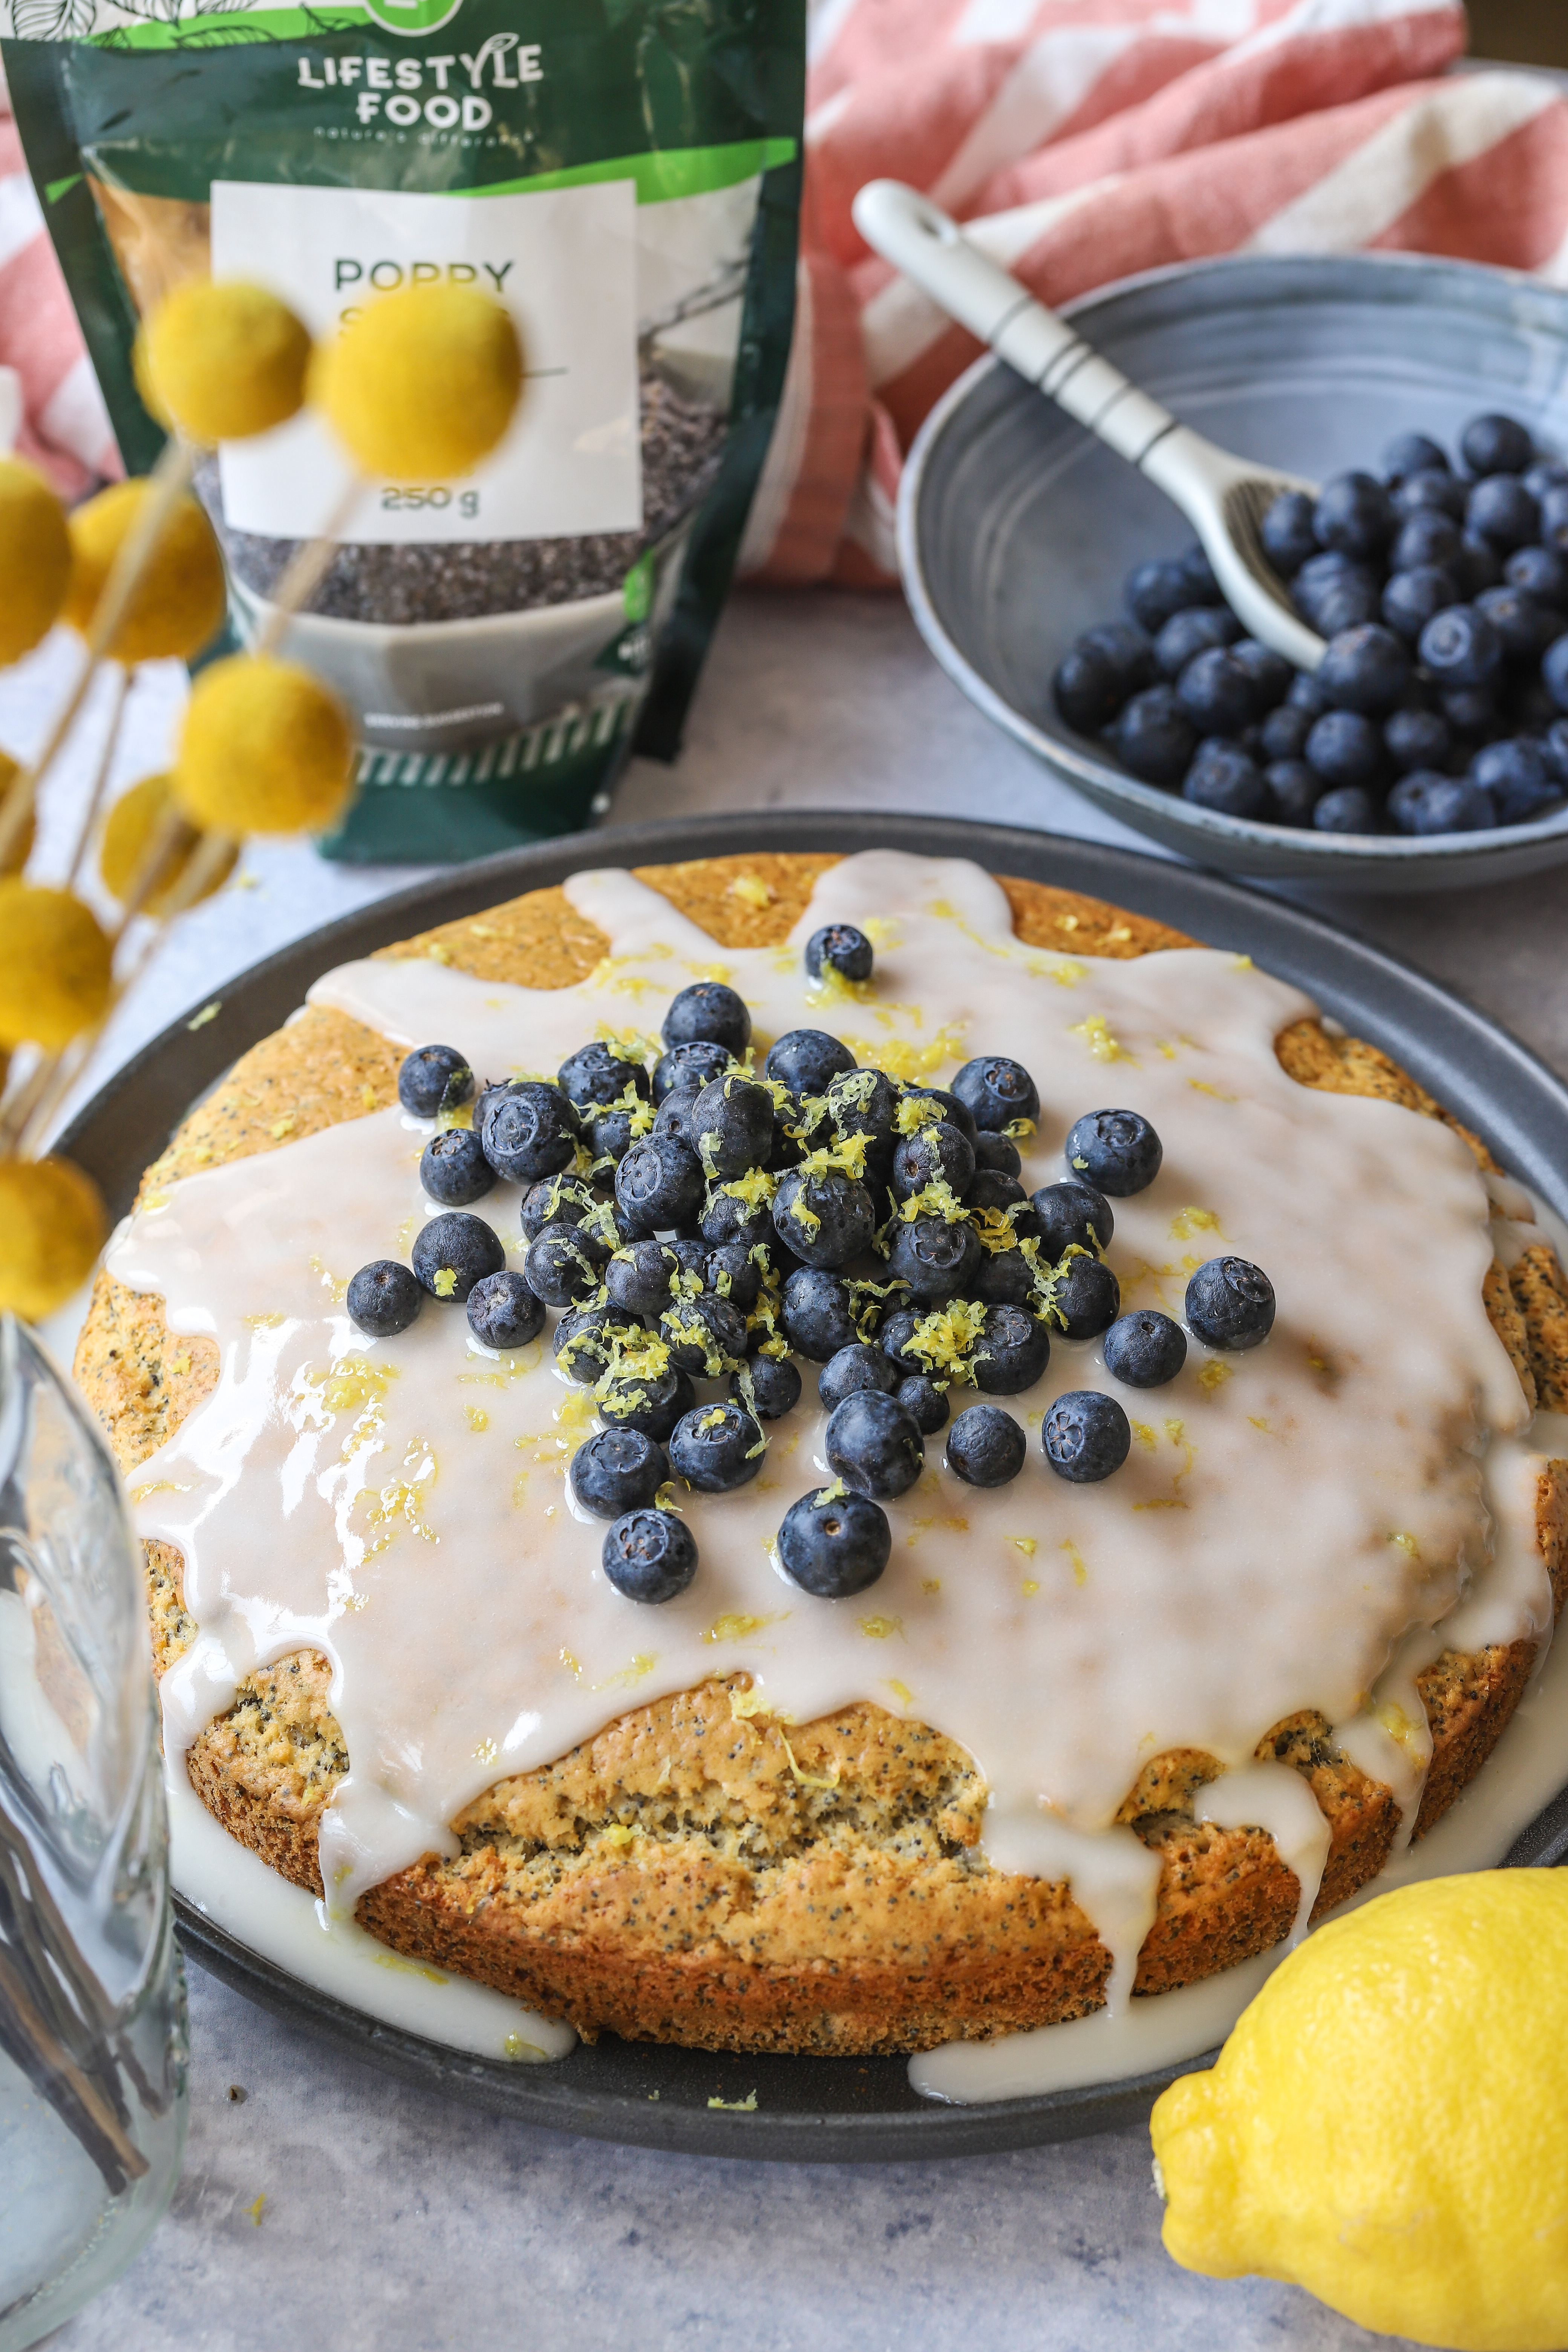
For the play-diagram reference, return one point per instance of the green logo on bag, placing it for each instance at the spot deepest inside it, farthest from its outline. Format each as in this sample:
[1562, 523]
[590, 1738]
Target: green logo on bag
[413, 17]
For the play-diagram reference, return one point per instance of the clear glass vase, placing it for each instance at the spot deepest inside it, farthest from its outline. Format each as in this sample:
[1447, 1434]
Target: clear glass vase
[92, 1995]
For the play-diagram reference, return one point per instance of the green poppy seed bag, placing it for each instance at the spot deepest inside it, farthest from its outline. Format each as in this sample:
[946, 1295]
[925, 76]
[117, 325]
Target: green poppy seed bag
[625, 174]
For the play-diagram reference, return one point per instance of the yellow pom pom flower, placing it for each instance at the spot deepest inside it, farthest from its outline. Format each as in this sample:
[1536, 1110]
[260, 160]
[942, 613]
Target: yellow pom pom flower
[422, 385]
[21, 849]
[54, 966]
[34, 559]
[266, 749]
[51, 1229]
[178, 602]
[225, 361]
[128, 831]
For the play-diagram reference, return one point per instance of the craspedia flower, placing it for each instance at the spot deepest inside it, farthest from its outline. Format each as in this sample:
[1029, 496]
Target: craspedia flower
[34, 559]
[223, 360]
[21, 849]
[422, 385]
[54, 966]
[129, 830]
[178, 602]
[266, 749]
[51, 1229]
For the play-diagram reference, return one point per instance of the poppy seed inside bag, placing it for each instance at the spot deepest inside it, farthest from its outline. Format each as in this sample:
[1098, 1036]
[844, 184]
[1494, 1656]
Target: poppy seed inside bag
[624, 175]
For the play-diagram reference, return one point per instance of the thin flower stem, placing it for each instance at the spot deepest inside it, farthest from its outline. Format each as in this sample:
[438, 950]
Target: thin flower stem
[100, 781]
[307, 571]
[171, 836]
[18, 1112]
[170, 478]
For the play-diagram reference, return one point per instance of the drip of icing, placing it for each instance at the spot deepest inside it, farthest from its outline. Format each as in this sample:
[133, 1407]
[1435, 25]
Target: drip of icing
[1528, 1769]
[1114, 1876]
[1391, 1738]
[1274, 1797]
[234, 1889]
[429, 1550]
[1511, 1600]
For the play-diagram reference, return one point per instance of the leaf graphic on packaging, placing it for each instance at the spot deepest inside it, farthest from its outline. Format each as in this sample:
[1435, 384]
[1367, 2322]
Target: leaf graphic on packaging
[52, 20]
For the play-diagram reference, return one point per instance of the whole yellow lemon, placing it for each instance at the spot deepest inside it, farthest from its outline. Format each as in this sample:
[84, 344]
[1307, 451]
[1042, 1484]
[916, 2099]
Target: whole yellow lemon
[1387, 2126]
[54, 966]
[178, 602]
[129, 831]
[51, 1229]
[422, 384]
[21, 849]
[225, 359]
[266, 749]
[34, 559]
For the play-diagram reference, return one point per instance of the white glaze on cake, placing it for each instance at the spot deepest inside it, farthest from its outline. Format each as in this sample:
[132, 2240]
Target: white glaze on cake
[1290, 1527]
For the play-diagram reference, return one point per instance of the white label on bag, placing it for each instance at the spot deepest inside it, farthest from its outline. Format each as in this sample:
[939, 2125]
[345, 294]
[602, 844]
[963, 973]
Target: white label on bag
[564, 263]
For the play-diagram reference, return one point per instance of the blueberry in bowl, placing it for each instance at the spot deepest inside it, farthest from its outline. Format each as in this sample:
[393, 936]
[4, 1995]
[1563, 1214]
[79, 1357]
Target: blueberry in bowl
[1275, 308]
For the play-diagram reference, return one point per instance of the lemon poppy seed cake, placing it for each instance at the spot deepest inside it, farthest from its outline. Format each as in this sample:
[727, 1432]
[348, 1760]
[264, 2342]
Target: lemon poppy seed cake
[1012, 1614]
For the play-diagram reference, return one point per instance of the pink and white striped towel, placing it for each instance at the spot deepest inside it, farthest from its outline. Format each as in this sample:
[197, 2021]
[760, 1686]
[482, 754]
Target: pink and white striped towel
[1084, 139]
[64, 429]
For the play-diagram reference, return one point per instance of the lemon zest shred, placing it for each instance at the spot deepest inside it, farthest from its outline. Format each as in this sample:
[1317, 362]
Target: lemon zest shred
[811, 1779]
[1095, 1030]
[641, 1664]
[736, 1627]
[1188, 1222]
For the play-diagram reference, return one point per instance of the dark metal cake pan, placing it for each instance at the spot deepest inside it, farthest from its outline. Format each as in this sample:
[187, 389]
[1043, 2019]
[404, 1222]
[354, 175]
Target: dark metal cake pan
[818, 2110]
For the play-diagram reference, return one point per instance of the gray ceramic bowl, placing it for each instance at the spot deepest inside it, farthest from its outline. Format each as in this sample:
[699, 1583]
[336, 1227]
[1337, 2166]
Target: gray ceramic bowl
[1016, 529]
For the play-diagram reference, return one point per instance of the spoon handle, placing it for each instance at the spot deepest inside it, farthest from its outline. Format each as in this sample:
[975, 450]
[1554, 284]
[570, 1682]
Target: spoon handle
[917, 237]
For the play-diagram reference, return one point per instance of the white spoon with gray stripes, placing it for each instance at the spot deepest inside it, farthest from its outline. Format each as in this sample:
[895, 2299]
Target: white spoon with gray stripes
[1224, 498]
